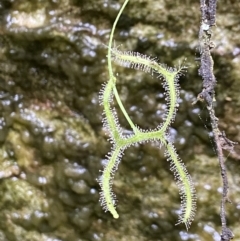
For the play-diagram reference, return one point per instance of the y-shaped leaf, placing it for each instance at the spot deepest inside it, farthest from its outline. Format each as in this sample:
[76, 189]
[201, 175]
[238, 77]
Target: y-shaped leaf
[120, 143]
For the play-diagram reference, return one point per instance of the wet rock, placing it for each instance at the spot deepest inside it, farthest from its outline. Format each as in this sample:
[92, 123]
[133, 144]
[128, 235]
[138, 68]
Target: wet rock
[53, 63]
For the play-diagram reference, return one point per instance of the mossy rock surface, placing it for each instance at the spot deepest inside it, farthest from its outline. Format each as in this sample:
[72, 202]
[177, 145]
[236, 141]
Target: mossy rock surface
[52, 66]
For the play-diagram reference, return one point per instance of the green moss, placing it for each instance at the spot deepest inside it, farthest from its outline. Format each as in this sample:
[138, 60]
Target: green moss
[58, 69]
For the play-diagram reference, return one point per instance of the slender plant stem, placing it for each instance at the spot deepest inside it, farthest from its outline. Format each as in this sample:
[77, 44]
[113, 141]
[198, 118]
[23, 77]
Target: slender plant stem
[111, 70]
[110, 43]
[134, 128]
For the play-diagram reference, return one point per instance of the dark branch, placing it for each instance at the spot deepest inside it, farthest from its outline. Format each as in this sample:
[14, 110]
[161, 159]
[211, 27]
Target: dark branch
[208, 12]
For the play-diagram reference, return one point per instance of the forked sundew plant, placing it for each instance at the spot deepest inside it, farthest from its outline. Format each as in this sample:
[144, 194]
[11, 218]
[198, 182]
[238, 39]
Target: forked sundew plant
[120, 142]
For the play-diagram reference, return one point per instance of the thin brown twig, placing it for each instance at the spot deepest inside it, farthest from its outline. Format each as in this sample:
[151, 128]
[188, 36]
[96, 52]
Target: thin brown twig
[208, 13]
